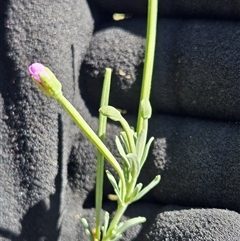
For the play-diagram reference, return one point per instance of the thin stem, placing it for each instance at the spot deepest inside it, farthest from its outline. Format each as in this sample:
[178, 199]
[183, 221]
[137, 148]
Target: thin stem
[100, 157]
[117, 216]
[149, 57]
[91, 135]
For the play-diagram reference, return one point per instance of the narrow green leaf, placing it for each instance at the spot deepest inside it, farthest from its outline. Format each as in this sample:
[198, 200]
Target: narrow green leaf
[145, 152]
[124, 139]
[135, 135]
[106, 223]
[89, 235]
[127, 166]
[127, 174]
[121, 151]
[114, 184]
[116, 237]
[130, 223]
[135, 165]
[129, 134]
[87, 229]
[140, 144]
[85, 223]
[150, 186]
[112, 180]
[136, 190]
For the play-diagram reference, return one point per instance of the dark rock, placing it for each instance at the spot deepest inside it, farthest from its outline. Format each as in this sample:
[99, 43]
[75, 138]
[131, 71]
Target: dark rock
[176, 9]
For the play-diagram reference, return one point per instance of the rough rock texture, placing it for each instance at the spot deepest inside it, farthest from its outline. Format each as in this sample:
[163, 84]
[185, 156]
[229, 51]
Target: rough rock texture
[47, 166]
[33, 154]
[175, 223]
[227, 9]
[196, 68]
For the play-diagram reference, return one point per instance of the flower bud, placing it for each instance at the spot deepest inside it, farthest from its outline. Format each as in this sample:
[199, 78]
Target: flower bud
[146, 109]
[46, 80]
[111, 113]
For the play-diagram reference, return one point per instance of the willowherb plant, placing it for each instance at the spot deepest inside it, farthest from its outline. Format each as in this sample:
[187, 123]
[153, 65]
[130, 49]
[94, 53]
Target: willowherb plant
[131, 144]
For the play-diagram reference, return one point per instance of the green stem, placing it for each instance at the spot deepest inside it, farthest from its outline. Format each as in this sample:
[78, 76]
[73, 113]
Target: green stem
[91, 135]
[149, 57]
[117, 216]
[100, 157]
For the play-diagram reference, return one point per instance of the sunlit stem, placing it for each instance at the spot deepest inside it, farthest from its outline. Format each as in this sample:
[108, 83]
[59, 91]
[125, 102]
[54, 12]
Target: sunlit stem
[91, 135]
[149, 57]
[117, 216]
[100, 158]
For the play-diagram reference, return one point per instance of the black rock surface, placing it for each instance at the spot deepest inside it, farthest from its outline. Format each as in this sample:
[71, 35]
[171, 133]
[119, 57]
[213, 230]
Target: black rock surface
[47, 166]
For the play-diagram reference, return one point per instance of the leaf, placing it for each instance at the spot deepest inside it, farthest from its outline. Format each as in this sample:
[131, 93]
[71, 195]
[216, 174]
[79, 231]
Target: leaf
[106, 223]
[127, 167]
[129, 223]
[136, 191]
[121, 151]
[150, 186]
[85, 223]
[89, 235]
[140, 144]
[135, 165]
[87, 228]
[112, 180]
[135, 136]
[115, 237]
[129, 132]
[115, 186]
[145, 152]
[127, 174]
[124, 139]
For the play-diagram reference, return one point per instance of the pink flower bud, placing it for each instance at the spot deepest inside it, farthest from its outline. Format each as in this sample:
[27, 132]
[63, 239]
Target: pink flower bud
[35, 70]
[46, 80]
